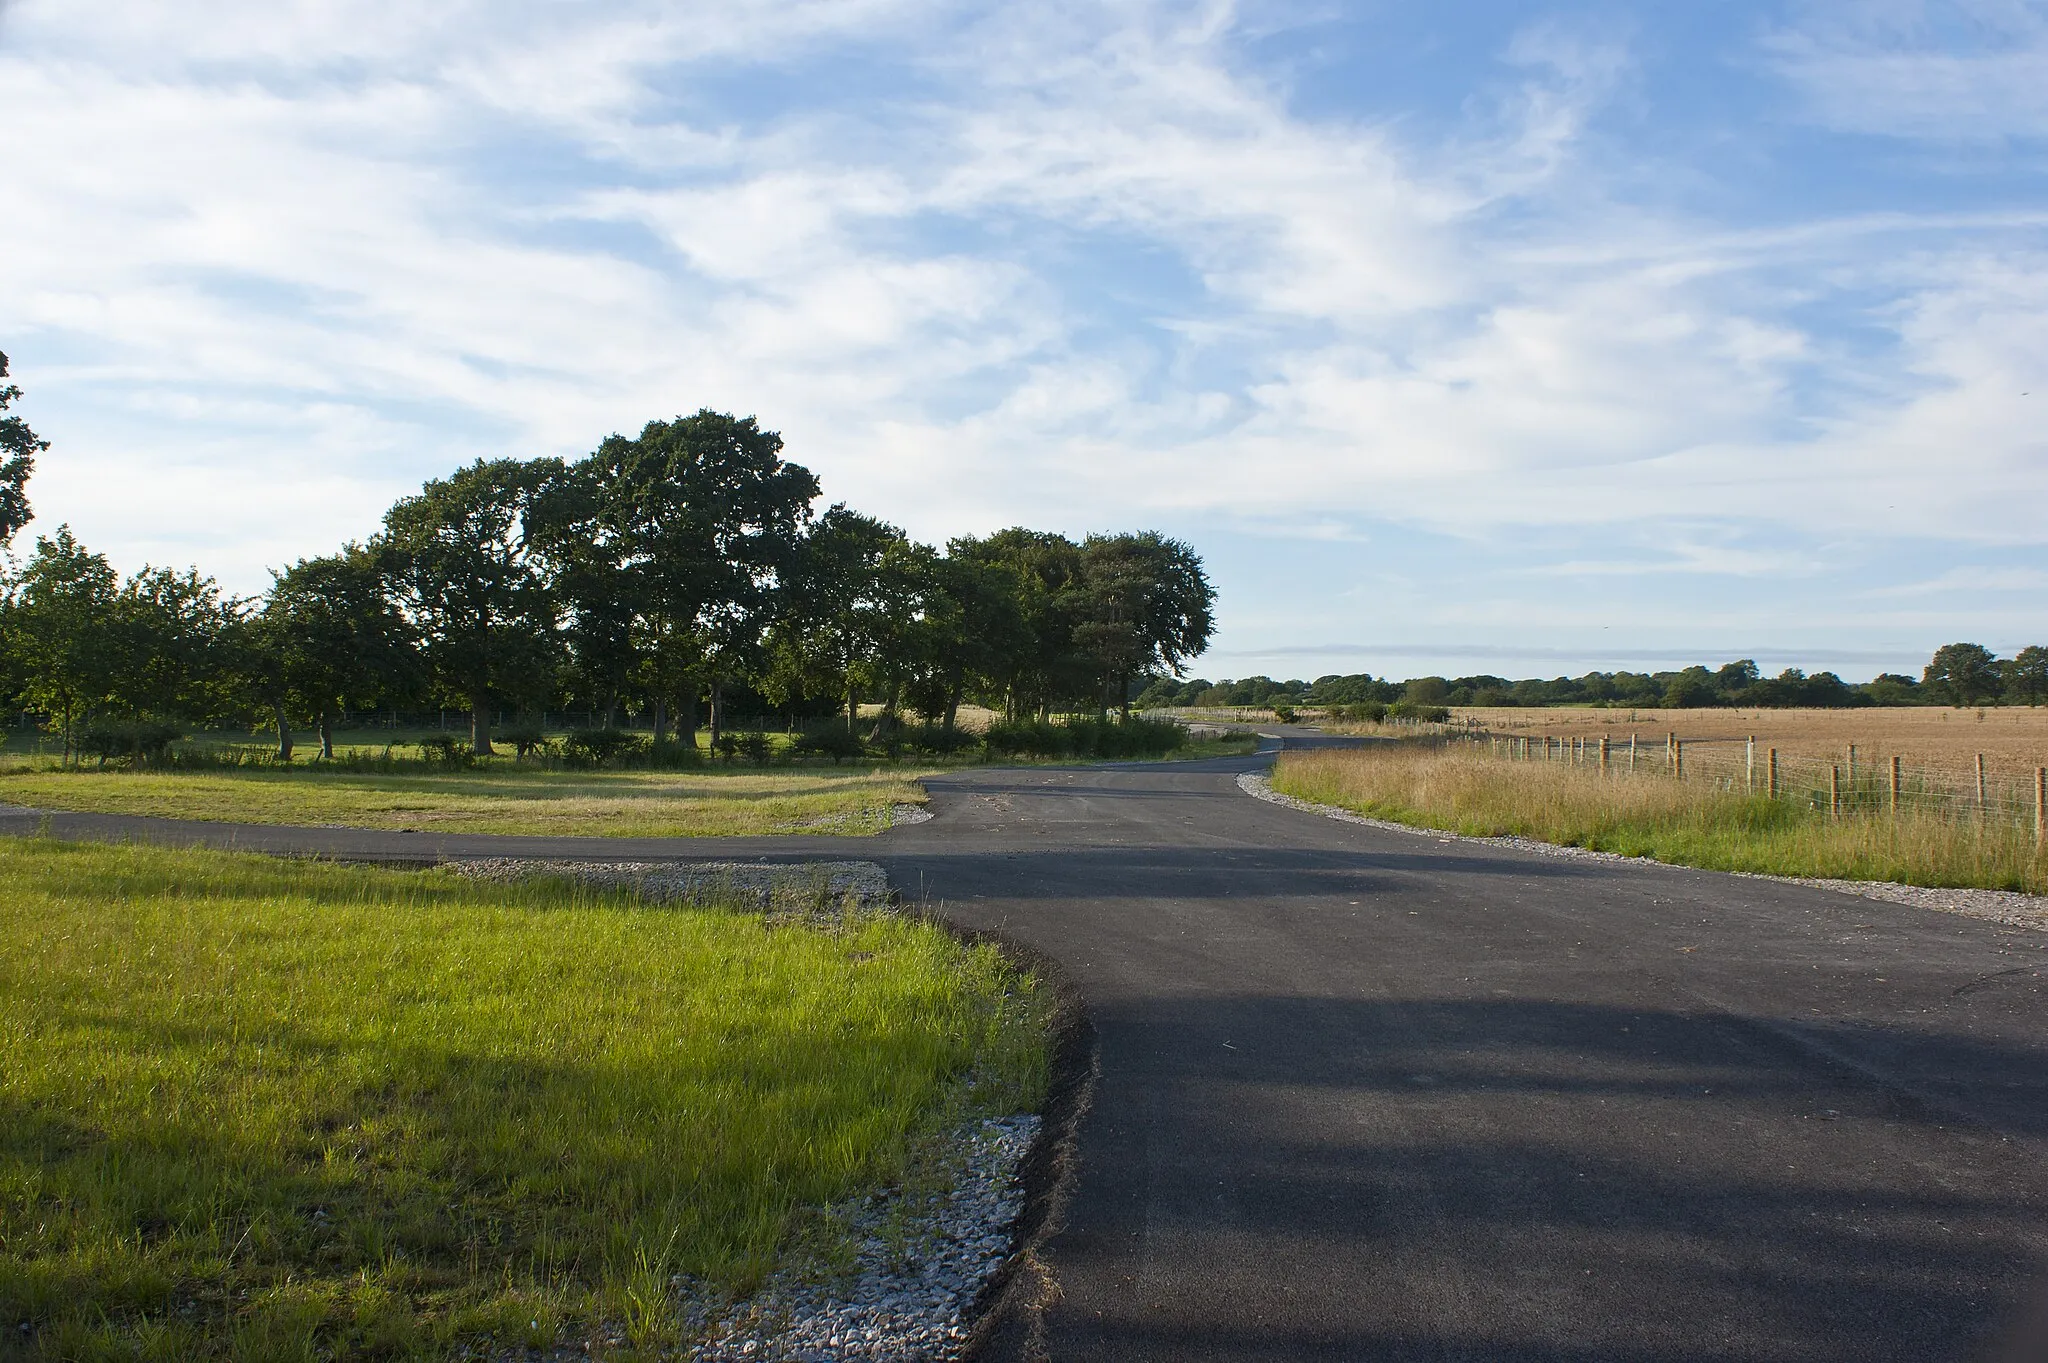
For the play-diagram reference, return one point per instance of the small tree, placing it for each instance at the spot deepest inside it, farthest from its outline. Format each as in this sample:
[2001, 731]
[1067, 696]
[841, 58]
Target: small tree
[19, 447]
[460, 555]
[2026, 675]
[62, 637]
[1963, 674]
[1146, 605]
[336, 639]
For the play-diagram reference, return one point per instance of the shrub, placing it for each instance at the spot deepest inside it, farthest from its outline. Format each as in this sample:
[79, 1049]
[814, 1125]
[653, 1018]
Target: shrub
[1364, 712]
[832, 740]
[597, 747]
[1425, 714]
[1284, 713]
[671, 753]
[748, 747]
[939, 740]
[446, 750]
[1086, 738]
[146, 742]
[526, 738]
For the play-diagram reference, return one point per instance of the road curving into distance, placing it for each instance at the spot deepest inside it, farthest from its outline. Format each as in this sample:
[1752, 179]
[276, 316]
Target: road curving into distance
[1363, 1094]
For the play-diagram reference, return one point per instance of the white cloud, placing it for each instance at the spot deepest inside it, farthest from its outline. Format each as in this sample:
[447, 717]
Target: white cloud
[1942, 70]
[327, 251]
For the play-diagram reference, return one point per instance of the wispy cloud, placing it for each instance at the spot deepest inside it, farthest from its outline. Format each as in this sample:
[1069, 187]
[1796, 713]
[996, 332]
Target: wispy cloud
[1076, 264]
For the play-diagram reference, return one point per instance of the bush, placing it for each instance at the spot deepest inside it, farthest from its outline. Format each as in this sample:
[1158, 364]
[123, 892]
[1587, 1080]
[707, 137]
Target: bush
[144, 743]
[597, 747]
[832, 740]
[446, 750]
[1424, 714]
[749, 747]
[1086, 738]
[670, 753]
[938, 740]
[1284, 713]
[526, 738]
[1364, 712]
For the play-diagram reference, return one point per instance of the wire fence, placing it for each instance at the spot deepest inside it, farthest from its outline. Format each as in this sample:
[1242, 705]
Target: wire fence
[1858, 782]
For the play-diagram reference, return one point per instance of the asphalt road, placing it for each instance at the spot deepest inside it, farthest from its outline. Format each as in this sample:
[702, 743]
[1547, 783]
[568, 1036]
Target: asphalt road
[1372, 1095]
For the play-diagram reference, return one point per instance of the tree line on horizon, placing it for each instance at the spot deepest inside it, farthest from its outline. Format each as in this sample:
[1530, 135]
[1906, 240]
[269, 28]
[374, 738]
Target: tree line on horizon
[658, 576]
[1957, 674]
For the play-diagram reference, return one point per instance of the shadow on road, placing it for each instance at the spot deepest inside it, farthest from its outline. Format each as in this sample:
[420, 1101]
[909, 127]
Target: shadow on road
[1538, 1182]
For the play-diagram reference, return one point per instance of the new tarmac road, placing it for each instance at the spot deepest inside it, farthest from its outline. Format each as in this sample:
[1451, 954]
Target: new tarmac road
[1368, 1095]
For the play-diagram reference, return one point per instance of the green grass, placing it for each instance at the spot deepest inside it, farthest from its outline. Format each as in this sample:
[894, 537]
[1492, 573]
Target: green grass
[253, 1109]
[502, 799]
[1686, 823]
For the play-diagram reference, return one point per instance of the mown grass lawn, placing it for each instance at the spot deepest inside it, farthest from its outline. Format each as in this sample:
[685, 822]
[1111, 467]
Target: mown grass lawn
[505, 799]
[255, 1109]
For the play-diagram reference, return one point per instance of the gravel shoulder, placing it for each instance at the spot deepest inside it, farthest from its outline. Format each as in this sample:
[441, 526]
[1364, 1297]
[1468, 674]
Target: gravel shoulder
[1993, 906]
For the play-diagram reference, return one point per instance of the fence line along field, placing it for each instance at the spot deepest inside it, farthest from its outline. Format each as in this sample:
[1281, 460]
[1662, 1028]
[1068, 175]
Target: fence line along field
[1693, 817]
[2013, 739]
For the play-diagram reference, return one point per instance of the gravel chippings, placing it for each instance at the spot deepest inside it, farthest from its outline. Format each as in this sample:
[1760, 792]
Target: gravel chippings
[920, 1266]
[1996, 906]
[906, 814]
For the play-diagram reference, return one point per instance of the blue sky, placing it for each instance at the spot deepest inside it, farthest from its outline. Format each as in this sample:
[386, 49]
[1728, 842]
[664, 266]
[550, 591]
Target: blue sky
[1471, 337]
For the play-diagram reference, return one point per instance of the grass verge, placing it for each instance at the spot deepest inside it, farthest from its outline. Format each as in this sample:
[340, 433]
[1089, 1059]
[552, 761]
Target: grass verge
[1692, 823]
[503, 800]
[253, 1109]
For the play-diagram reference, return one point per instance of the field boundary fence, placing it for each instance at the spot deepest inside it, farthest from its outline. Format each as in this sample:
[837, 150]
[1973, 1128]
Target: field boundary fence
[1859, 781]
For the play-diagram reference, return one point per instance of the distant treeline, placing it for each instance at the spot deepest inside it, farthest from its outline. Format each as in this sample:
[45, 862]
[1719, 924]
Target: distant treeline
[680, 568]
[1958, 674]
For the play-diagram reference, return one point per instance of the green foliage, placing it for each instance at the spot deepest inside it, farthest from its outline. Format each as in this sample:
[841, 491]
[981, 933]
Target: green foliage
[833, 740]
[1962, 674]
[603, 747]
[446, 750]
[1086, 738]
[145, 743]
[1419, 712]
[19, 447]
[526, 737]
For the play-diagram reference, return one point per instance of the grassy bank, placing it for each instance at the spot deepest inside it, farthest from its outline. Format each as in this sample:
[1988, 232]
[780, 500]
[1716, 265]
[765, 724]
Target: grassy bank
[253, 1109]
[506, 799]
[1687, 823]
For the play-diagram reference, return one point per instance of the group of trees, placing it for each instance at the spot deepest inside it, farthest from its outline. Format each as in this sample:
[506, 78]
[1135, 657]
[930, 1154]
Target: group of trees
[1958, 674]
[658, 573]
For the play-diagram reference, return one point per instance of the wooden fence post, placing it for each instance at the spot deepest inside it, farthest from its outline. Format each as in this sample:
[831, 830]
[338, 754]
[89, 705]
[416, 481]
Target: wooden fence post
[1980, 785]
[1895, 785]
[1677, 760]
[1631, 754]
[1834, 788]
[2040, 807]
[1749, 764]
[1605, 754]
[1771, 772]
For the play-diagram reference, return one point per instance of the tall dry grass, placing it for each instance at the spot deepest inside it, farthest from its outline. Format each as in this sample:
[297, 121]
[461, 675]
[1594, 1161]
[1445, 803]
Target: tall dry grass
[1687, 823]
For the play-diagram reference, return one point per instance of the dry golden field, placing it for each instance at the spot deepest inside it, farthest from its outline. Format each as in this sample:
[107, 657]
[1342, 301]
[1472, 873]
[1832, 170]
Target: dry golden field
[2013, 740]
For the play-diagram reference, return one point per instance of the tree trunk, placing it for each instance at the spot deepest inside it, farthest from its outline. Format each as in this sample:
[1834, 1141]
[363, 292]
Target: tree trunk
[686, 718]
[953, 705]
[611, 713]
[660, 720]
[327, 735]
[1125, 694]
[480, 725]
[284, 732]
[717, 711]
[851, 709]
